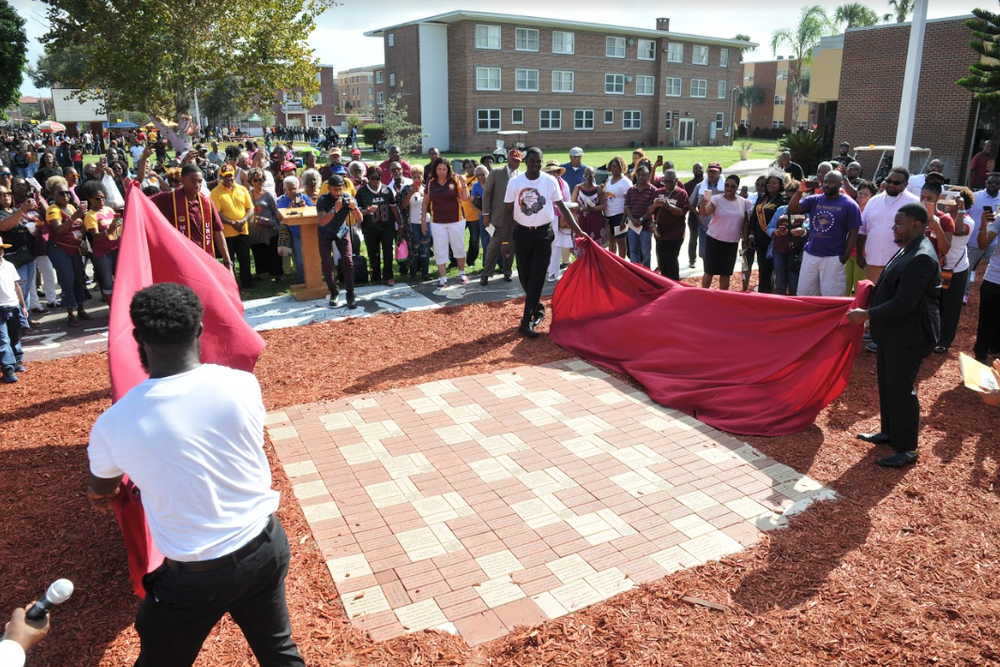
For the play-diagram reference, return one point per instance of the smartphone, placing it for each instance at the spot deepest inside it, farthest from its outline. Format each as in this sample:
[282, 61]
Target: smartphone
[812, 183]
[988, 209]
[659, 158]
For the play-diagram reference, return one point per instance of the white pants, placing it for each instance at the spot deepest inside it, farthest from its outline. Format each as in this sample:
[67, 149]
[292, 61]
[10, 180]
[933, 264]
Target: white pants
[43, 265]
[821, 276]
[447, 234]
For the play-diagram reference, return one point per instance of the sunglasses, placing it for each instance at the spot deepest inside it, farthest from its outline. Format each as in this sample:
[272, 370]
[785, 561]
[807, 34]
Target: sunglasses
[892, 182]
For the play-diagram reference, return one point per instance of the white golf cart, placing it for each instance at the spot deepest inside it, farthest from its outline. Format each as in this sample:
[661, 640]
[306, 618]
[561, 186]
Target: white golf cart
[875, 171]
[506, 140]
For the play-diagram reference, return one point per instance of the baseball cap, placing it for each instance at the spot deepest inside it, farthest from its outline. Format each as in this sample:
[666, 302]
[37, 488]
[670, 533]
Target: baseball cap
[513, 152]
[336, 151]
[288, 166]
[227, 170]
[714, 165]
[355, 151]
[576, 151]
[6, 245]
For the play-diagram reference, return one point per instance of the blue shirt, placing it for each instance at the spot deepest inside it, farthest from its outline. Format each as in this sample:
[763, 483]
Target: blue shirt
[477, 191]
[285, 202]
[830, 220]
[572, 177]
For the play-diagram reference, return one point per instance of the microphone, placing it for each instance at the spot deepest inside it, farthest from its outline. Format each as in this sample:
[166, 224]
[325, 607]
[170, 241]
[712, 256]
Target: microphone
[58, 592]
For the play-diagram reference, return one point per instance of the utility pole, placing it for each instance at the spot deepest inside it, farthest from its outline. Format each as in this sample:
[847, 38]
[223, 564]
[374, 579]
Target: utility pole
[911, 86]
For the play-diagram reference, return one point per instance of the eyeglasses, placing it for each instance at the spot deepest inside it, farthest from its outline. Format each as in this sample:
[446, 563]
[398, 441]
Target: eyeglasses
[892, 182]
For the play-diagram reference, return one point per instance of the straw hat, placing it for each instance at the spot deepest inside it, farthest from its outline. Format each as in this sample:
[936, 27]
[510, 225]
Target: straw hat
[553, 167]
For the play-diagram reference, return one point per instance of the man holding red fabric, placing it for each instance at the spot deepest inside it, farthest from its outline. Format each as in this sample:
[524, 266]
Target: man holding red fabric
[194, 215]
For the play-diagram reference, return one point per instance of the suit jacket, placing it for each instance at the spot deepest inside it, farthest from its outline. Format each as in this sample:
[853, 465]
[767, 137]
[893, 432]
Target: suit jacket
[493, 194]
[904, 306]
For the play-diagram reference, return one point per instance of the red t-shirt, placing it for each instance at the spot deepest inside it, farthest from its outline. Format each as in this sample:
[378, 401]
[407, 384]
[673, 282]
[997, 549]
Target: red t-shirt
[444, 206]
[981, 165]
[947, 225]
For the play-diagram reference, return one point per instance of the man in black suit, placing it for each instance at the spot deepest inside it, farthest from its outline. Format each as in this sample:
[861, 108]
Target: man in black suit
[905, 324]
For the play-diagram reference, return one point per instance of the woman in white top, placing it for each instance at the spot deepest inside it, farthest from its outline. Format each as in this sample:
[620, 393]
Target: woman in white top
[956, 262]
[411, 202]
[615, 189]
[729, 212]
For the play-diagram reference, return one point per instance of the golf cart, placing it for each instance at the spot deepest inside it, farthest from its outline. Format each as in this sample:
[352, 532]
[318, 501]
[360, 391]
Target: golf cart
[866, 155]
[506, 140]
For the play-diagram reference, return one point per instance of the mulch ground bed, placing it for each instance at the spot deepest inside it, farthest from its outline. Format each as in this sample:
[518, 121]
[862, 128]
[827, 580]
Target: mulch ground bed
[902, 569]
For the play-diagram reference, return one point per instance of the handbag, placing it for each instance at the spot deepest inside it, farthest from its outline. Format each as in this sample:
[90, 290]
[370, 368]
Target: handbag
[946, 275]
[402, 251]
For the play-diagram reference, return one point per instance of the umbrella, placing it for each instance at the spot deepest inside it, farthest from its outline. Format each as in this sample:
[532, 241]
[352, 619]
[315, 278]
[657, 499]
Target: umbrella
[51, 126]
[253, 118]
[122, 125]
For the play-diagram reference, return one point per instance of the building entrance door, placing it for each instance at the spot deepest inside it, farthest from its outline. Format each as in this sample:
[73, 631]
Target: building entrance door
[685, 136]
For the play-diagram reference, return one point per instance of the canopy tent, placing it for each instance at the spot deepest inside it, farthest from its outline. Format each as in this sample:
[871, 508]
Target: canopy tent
[51, 126]
[122, 125]
[253, 118]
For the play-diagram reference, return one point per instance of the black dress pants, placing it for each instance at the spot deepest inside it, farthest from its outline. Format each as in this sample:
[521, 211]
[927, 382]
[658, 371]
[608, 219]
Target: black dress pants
[381, 248]
[326, 245]
[533, 246]
[181, 608]
[692, 237]
[667, 252]
[899, 407]
[239, 253]
[988, 329]
[950, 305]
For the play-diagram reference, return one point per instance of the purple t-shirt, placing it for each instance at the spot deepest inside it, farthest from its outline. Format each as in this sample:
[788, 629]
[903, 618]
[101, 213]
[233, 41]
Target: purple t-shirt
[830, 220]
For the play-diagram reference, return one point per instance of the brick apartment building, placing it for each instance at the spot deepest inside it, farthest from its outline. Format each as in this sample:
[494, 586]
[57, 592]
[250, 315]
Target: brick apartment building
[465, 75]
[357, 89]
[771, 76]
[292, 111]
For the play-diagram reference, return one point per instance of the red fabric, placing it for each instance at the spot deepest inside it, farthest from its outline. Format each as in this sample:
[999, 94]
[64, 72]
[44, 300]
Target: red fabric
[747, 363]
[153, 251]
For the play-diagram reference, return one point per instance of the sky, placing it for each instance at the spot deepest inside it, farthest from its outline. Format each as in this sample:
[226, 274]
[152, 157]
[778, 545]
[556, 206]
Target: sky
[339, 37]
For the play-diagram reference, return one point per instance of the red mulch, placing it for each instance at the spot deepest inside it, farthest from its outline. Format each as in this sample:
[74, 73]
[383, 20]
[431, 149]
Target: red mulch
[902, 569]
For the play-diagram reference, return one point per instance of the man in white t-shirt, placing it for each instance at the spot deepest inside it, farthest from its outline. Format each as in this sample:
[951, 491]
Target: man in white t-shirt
[529, 199]
[191, 438]
[875, 238]
[983, 198]
[916, 182]
[12, 311]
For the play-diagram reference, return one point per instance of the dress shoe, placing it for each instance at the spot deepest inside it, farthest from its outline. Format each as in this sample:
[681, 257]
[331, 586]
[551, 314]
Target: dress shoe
[898, 460]
[528, 330]
[538, 316]
[940, 349]
[874, 438]
[484, 280]
[508, 278]
[350, 301]
[871, 347]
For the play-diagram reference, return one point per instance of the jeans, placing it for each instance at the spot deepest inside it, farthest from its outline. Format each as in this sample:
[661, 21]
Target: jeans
[239, 253]
[300, 272]
[346, 263]
[786, 280]
[26, 279]
[475, 233]
[667, 257]
[420, 248]
[975, 256]
[69, 270]
[640, 247]
[381, 251]
[10, 337]
[988, 329]
[104, 270]
[533, 246]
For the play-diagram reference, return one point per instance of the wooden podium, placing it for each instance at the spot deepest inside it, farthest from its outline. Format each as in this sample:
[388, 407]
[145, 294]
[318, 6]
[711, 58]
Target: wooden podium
[306, 219]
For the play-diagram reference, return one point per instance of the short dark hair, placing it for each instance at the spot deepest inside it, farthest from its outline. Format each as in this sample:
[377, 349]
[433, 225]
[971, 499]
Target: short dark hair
[487, 157]
[872, 188]
[733, 177]
[335, 181]
[190, 168]
[166, 314]
[915, 212]
[901, 170]
[933, 188]
[91, 188]
[373, 172]
[533, 150]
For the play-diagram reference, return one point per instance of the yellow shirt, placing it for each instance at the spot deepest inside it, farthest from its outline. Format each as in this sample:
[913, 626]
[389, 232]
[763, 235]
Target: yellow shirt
[349, 187]
[232, 204]
[468, 210]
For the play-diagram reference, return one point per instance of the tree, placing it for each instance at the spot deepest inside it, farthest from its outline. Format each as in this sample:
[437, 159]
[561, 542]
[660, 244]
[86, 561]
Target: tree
[399, 131]
[902, 9]
[65, 66]
[813, 25]
[220, 104]
[154, 56]
[984, 78]
[13, 54]
[856, 15]
[747, 97]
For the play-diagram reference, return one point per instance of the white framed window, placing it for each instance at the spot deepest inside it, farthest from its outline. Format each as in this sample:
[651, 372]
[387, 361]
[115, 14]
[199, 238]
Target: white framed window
[379, 76]
[631, 120]
[672, 86]
[614, 47]
[526, 80]
[583, 119]
[720, 121]
[487, 120]
[392, 80]
[614, 84]
[321, 95]
[609, 116]
[563, 42]
[699, 87]
[803, 124]
[748, 77]
[391, 40]
[670, 122]
[675, 52]
[517, 116]
[562, 81]
[526, 39]
[647, 49]
[744, 122]
[317, 121]
[722, 90]
[380, 98]
[644, 85]
[699, 55]
[487, 78]
[380, 118]
[488, 37]
[779, 101]
[777, 123]
[782, 75]
[550, 119]
[317, 98]
[723, 57]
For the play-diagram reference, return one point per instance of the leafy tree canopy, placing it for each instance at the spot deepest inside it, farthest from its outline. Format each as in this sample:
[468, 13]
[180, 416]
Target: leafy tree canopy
[13, 55]
[856, 15]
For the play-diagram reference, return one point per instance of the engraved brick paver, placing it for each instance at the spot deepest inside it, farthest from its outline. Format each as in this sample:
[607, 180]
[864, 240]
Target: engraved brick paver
[477, 504]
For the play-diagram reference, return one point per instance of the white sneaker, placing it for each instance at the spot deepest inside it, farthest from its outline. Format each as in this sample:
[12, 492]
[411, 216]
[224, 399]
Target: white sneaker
[464, 279]
[442, 282]
[550, 279]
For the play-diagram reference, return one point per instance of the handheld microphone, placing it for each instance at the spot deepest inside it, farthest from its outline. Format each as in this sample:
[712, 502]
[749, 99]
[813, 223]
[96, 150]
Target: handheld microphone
[58, 592]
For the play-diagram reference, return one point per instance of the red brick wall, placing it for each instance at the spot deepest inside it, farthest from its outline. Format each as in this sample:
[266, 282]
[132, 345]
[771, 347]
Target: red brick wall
[403, 60]
[871, 86]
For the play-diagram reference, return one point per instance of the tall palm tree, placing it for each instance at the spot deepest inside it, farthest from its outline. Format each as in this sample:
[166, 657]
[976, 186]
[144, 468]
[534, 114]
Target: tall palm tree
[813, 25]
[902, 8]
[856, 15]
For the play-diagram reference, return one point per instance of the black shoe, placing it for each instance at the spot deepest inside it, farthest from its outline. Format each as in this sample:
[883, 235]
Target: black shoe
[874, 438]
[528, 330]
[982, 360]
[350, 301]
[940, 349]
[508, 278]
[866, 337]
[871, 347]
[690, 265]
[898, 460]
[484, 280]
[539, 315]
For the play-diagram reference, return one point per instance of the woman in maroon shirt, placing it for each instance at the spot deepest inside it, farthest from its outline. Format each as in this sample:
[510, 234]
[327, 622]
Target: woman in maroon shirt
[66, 249]
[444, 193]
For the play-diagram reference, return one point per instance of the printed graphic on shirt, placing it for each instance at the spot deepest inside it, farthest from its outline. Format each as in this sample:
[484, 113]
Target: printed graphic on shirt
[530, 201]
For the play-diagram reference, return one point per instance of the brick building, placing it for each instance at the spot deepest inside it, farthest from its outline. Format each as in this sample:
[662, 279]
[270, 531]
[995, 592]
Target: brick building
[465, 75]
[320, 111]
[867, 101]
[357, 89]
[771, 76]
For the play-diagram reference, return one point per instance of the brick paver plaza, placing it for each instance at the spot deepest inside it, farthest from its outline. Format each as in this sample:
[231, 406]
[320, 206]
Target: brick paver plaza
[477, 504]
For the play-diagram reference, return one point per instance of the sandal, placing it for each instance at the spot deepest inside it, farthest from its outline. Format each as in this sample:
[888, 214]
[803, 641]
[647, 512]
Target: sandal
[73, 321]
[83, 315]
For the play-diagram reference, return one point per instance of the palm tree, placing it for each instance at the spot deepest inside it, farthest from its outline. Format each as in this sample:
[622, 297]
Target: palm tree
[903, 8]
[856, 15]
[813, 25]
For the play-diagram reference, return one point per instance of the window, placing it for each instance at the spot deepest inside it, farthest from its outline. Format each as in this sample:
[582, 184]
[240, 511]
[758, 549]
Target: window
[609, 116]
[779, 101]
[583, 119]
[487, 78]
[614, 84]
[562, 82]
[699, 87]
[526, 39]
[378, 76]
[517, 116]
[782, 75]
[614, 47]
[391, 40]
[675, 52]
[672, 87]
[670, 122]
[380, 118]
[720, 121]
[321, 98]
[380, 98]
[803, 124]
[487, 120]
[699, 55]
[392, 80]
[631, 120]
[644, 85]
[563, 42]
[722, 90]
[488, 37]
[647, 49]
[777, 123]
[744, 122]
[723, 57]
[550, 119]
[526, 80]
[317, 121]
[748, 77]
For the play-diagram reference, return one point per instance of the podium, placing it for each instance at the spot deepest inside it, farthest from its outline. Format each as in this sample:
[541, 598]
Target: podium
[307, 220]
